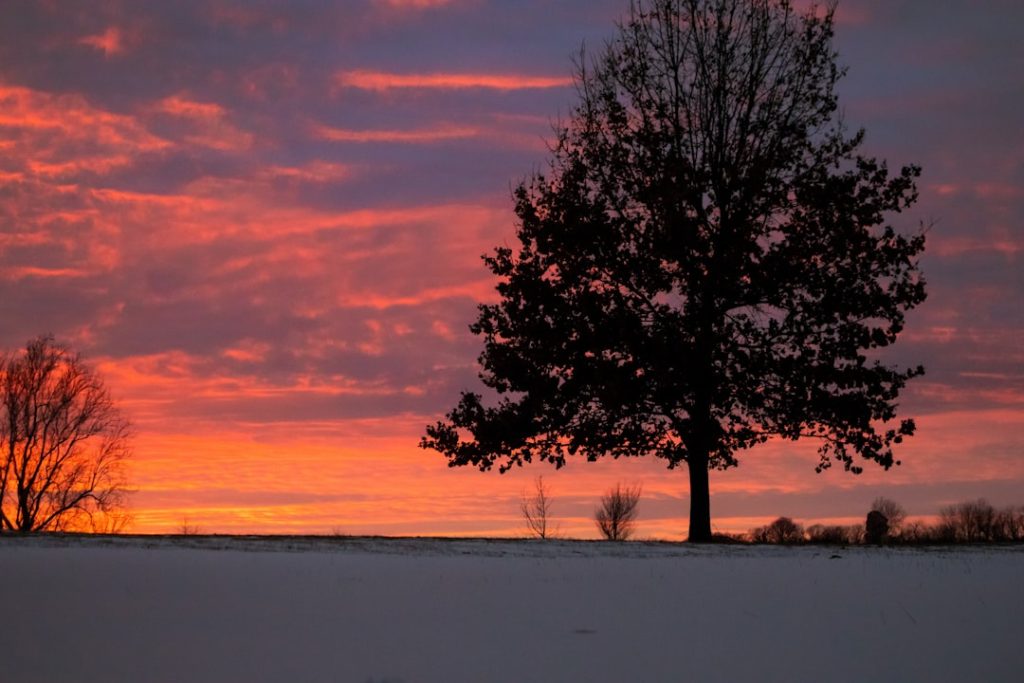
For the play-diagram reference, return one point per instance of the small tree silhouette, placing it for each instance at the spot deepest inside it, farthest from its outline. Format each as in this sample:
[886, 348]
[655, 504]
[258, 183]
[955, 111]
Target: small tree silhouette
[1011, 524]
[187, 528]
[616, 517]
[63, 443]
[876, 527]
[536, 509]
[895, 514]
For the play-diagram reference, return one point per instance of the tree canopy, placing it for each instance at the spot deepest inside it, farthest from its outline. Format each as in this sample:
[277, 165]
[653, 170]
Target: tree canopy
[706, 264]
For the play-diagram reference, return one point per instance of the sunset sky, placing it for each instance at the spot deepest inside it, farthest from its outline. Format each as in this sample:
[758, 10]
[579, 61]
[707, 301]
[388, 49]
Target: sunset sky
[262, 223]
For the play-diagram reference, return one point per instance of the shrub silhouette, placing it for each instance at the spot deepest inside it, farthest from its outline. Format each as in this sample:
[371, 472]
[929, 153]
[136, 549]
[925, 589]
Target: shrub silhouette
[616, 517]
[833, 534]
[876, 528]
[782, 531]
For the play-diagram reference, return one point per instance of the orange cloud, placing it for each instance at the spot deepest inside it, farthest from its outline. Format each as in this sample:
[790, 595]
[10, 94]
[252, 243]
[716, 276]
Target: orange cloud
[481, 290]
[209, 124]
[68, 118]
[418, 136]
[201, 111]
[381, 80]
[22, 272]
[313, 172]
[110, 42]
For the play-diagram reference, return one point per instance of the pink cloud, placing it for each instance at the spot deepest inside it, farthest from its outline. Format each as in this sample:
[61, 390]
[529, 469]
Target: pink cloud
[110, 42]
[415, 136]
[22, 272]
[68, 118]
[381, 81]
[208, 124]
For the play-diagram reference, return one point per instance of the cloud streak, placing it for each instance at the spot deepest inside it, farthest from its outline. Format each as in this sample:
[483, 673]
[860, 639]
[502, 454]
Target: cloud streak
[383, 81]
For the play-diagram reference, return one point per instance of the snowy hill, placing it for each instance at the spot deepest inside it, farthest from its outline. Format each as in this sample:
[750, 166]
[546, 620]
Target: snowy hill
[195, 609]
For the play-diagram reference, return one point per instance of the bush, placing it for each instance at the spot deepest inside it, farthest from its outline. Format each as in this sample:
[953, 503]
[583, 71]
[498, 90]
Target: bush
[834, 534]
[616, 517]
[876, 528]
[783, 531]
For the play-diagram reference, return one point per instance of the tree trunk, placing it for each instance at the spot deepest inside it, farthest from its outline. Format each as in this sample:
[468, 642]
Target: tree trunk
[700, 501]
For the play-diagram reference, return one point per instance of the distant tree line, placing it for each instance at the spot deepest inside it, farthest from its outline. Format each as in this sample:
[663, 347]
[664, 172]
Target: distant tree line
[974, 521]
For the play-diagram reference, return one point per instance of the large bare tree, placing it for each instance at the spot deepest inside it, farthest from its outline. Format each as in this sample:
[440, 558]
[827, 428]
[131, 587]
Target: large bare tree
[63, 443]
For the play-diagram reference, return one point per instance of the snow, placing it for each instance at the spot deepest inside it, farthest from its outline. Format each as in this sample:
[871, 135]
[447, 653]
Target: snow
[200, 609]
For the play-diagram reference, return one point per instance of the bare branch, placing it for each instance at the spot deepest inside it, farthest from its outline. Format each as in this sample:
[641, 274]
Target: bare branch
[616, 517]
[63, 444]
[536, 509]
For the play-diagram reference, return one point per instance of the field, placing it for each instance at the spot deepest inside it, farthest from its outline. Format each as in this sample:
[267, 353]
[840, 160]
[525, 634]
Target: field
[199, 609]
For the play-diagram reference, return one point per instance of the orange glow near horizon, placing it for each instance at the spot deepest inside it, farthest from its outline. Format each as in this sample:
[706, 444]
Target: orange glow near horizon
[369, 478]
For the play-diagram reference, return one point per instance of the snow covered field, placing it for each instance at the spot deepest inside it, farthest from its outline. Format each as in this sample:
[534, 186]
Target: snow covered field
[442, 611]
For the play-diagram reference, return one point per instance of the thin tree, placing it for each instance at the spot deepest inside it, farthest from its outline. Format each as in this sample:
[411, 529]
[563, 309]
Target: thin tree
[707, 264]
[63, 442]
[536, 509]
[616, 516]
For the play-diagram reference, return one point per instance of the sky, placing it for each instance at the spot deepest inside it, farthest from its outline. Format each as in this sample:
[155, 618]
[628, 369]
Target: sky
[262, 224]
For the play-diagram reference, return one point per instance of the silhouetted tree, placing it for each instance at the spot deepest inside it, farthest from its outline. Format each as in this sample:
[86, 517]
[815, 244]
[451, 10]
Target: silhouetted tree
[189, 528]
[705, 265]
[536, 509]
[616, 517]
[894, 513]
[876, 527]
[971, 521]
[782, 531]
[1011, 523]
[62, 443]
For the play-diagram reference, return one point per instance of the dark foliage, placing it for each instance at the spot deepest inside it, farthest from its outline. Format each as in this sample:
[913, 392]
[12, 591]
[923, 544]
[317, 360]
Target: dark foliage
[706, 265]
[876, 528]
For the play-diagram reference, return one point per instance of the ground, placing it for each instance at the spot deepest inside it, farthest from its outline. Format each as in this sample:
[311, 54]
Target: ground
[198, 609]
